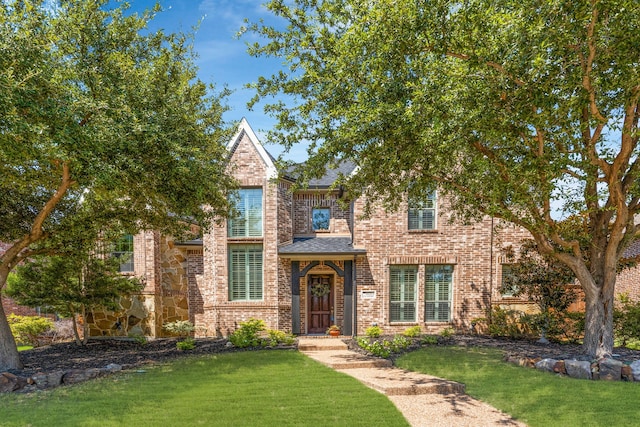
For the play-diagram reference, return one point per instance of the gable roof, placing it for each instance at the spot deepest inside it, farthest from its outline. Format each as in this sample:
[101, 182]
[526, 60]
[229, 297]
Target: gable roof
[267, 159]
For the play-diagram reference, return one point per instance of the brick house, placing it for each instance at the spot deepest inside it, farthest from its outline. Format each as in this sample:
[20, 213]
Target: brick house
[301, 263]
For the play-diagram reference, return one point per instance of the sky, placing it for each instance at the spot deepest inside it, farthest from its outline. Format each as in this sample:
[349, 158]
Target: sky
[223, 58]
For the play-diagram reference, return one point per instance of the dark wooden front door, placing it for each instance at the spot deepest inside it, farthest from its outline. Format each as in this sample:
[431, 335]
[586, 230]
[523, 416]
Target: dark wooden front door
[320, 303]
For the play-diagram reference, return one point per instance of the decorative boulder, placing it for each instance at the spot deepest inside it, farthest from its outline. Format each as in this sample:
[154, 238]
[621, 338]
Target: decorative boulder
[578, 369]
[80, 375]
[48, 380]
[610, 370]
[635, 370]
[546, 365]
[10, 382]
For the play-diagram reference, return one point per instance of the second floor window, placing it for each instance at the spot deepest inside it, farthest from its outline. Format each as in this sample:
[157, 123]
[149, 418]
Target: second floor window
[422, 214]
[248, 222]
[320, 219]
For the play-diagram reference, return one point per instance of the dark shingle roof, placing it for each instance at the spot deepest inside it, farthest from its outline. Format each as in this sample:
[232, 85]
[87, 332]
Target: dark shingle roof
[331, 175]
[321, 245]
[633, 251]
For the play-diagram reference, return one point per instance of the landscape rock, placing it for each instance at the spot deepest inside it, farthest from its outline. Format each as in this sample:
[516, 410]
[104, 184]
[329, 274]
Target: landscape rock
[10, 382]
[559, 367]
[48, 380]
[80, 375]
[626, 373]
[578, 369]
[635, 370]
[112, 367]
[610, 369]
[546, 365]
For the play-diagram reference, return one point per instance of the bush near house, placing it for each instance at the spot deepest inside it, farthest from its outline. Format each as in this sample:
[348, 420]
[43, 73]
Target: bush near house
[251, 334]
[27, 330]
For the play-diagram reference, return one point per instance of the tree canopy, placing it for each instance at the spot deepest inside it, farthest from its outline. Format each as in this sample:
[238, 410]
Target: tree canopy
[103, 126]
[522, 110]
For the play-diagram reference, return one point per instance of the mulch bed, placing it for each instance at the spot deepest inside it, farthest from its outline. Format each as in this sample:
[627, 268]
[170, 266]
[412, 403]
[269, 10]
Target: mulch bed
[131, 354]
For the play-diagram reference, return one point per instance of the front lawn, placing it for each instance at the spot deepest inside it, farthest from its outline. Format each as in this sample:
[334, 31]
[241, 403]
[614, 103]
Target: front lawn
[534, 397]
[262, 388]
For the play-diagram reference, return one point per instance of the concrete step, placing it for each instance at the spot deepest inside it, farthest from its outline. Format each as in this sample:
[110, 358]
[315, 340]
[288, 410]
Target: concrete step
[345, 359]
[320, 344]
[398, 382]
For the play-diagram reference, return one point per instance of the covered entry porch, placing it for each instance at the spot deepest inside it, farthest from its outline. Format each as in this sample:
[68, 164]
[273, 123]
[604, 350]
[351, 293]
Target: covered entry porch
[322, 284]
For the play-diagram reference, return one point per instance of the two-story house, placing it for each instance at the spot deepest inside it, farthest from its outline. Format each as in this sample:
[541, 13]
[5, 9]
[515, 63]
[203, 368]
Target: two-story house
[301, 262]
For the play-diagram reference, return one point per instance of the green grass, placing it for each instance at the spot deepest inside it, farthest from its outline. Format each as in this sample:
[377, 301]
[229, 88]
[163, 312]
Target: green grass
[534, 397]
[263, 388]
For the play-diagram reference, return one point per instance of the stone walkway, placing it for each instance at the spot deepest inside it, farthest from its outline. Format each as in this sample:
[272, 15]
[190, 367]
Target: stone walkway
[424, 400]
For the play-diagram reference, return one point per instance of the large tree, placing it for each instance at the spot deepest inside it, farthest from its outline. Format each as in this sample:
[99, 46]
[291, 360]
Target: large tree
[519, 109]
[103, 125]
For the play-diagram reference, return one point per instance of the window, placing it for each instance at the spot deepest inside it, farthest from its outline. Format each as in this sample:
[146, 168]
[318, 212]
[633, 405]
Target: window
[506, 289]
[402, 283]
[245, 272]
[123, 250]
[248, 222]
[320, 218]
[438, 286]
[422, 214]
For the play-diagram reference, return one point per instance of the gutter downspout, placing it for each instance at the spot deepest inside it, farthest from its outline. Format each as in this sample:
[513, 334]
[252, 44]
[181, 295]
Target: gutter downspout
[490, 273]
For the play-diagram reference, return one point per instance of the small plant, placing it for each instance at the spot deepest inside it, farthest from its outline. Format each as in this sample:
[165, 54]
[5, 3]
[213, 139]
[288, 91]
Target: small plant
[447, 332]
[139, 339]
[28, 329]
[429, 340]
[413, 331]
[247, 335]
[181, 328]
[373, 331]
[384, 348]
[333, 328]
[186, 344]
[278, 337]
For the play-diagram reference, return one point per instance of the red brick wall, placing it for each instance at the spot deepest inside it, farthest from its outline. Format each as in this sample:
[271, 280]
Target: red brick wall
[218, 313]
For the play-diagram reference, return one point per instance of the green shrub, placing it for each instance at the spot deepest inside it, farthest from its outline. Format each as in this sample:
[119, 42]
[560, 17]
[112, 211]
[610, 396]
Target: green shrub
[186, 344]
[181, 328]
[429, 340]
[413, 331]
[626, 317]
[247, 335]
[139, 339]
[278, 337]
[447, 332]
[505, 323]
[373, 331]
[28, 329]
[384, 348]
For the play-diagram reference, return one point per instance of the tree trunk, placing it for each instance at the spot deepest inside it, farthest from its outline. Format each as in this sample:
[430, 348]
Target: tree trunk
[9, 357]
[76, 335]
[85, 326]
[598, 328]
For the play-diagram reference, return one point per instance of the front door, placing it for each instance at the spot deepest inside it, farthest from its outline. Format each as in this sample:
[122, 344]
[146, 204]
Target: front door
[320, 303]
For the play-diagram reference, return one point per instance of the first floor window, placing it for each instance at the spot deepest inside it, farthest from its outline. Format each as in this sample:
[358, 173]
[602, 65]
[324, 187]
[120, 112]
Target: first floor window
[245, 272]
[438, 290]
[507, 287]
[123, 250]
[402, 281]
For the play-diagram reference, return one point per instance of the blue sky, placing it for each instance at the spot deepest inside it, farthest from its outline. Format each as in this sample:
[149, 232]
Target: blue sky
[223, 58]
